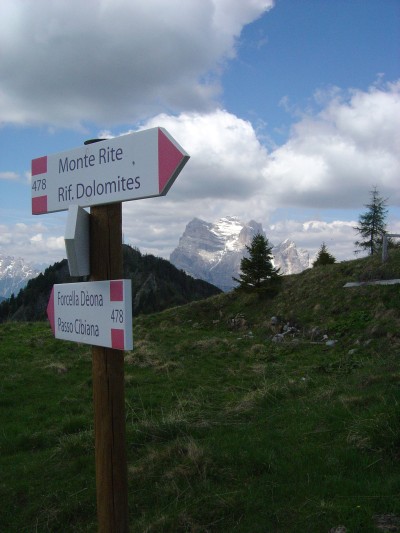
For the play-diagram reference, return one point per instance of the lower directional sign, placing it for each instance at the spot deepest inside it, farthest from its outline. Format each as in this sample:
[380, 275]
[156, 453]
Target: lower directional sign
[96, 312]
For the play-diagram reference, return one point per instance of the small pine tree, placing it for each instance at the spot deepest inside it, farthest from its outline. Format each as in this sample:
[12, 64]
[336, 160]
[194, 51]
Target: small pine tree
[372, 224]
[324, 257]
[257, 270]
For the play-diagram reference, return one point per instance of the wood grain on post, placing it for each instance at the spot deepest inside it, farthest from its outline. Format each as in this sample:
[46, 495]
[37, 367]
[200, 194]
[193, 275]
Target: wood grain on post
[108, 381]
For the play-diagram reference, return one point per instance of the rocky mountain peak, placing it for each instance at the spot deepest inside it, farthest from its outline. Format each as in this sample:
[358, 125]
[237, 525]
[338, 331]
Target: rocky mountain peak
[289, 258]
[14, 274]
[213, 251]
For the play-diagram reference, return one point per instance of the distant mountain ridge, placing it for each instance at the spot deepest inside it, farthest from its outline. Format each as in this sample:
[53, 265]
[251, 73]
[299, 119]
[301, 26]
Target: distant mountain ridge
[156, 285]
[213, 251]
[14, 275]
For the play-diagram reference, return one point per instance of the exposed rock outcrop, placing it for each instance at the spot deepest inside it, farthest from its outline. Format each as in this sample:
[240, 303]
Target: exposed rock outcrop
[213, 251]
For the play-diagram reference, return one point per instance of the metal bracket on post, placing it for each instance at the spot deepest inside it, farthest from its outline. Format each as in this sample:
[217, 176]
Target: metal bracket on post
[77, 241]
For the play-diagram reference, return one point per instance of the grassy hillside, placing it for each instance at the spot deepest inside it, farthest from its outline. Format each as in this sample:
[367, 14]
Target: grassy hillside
[228, 427]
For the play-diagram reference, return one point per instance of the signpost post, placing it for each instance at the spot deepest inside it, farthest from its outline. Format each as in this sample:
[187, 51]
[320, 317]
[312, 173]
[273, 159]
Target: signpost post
[108, 382]
[102, 175]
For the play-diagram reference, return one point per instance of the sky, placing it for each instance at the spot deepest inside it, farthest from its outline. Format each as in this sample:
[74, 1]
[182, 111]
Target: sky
[289, 110]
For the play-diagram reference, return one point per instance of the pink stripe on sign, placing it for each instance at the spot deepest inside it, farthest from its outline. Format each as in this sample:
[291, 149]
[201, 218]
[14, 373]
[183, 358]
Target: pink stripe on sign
[39, 166]
[116, 291]
[39, 205]
[117, 339]
[169, 158]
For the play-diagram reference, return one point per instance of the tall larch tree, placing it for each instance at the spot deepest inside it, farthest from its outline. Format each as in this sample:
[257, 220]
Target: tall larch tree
[372, 224]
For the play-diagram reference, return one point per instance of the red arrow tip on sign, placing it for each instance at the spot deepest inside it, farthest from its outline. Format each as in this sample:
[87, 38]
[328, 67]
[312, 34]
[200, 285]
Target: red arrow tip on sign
[171, 160]
[50, 311]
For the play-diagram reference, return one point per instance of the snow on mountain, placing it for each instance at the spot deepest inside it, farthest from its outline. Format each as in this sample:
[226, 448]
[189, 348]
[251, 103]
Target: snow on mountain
[289, 258]
[14, 275]
[213, 251]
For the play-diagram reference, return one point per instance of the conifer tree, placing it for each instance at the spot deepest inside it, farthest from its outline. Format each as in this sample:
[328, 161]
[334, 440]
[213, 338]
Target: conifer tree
[257, 270]
[324, 257]
[372, 224]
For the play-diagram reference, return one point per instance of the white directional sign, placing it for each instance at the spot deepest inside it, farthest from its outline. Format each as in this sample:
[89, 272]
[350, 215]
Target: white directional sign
[96, 312]
[129, 167]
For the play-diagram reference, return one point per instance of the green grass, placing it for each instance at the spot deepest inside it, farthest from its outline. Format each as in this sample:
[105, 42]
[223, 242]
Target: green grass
[226, 429]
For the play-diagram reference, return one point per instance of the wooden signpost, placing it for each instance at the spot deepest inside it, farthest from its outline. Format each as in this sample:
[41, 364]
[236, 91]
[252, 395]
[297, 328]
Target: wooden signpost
[102, 175]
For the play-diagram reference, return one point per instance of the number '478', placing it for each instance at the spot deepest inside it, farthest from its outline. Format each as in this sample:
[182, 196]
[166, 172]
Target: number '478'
[39, 184]
[117, 315]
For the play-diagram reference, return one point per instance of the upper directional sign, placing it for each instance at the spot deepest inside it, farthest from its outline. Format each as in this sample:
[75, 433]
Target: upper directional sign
[129, 167]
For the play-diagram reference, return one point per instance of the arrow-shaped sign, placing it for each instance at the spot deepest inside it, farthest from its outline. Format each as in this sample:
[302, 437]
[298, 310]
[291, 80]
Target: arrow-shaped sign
[97, 313]
[130, 167]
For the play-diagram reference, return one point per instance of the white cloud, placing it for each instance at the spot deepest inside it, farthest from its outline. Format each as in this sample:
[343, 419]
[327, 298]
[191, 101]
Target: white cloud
[111, 61]
[331, 161]
[226, 156]
[327, 163]
[338, 235]
[116, 61]
[35, 242]
[370, 119]
[9, 176]
[332, 157]
[36, 238]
